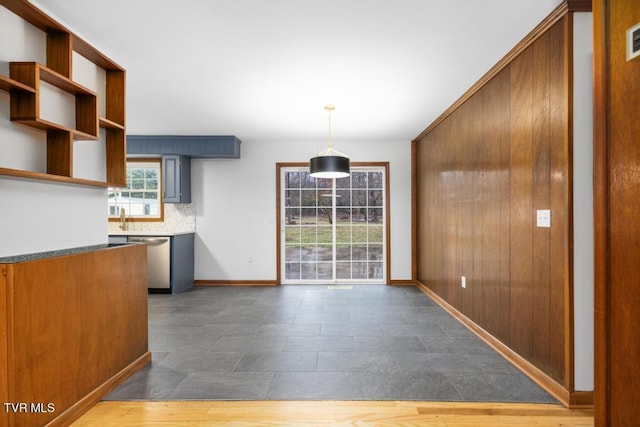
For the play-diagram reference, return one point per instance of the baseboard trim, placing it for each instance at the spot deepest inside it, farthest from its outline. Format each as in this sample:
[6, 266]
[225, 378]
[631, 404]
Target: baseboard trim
[581, 399]
[402, 282]
[275, 282]
[571, 400]
[236, 282]
[91, 399]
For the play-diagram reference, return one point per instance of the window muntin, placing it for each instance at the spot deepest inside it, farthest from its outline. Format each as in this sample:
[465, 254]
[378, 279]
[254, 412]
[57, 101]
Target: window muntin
[142, 197]
[341, 243]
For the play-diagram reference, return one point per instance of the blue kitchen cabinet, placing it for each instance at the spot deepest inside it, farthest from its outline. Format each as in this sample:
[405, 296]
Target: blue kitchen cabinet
[176, 178]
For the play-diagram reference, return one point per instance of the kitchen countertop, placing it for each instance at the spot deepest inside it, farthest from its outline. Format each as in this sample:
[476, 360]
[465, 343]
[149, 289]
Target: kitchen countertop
[149, 233]
[56, 253]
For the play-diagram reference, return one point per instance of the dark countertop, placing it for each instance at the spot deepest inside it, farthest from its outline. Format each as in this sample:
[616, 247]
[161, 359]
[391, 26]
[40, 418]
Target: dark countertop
[60, 252]
[149, 233]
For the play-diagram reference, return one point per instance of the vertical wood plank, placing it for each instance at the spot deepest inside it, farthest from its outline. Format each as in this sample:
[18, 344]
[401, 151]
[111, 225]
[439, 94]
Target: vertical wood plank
[504, 101]
[4, 346]
[456, 293]
[521, 204]
[116, 144]
[478, 164]
[541, 248]
[59, 52]
[464, 124]
[491, 140]
[116, 158]
[601, 75]
[115, 96]
[60, 153]
[439, 214]
[560, 303]
[87, 114]
[423, 244]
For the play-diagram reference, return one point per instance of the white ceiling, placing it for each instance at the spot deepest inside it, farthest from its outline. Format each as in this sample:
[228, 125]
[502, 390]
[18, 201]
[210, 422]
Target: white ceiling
[264, 69]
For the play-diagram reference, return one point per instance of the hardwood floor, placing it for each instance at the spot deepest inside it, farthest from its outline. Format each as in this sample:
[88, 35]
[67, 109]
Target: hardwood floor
[330, 413]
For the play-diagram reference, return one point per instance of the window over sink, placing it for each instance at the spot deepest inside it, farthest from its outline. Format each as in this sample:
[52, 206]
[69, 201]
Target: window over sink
[141, 199]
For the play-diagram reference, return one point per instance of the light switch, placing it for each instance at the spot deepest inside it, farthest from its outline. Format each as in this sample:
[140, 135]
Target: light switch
[543, 218]
[633, 42]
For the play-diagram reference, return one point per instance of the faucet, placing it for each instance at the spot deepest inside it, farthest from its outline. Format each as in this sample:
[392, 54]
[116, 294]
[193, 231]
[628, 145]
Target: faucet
[123, 219]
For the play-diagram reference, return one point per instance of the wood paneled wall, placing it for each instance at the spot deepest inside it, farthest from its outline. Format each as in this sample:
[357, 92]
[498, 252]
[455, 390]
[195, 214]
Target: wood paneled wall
[617, 233]
[481, 174]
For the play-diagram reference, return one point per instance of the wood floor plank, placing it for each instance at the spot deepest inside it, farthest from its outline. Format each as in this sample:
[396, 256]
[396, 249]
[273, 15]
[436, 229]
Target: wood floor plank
[330, 413]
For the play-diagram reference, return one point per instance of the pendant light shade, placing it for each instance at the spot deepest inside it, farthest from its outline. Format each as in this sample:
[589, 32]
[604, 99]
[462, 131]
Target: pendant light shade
[329, 166]
[329, 163]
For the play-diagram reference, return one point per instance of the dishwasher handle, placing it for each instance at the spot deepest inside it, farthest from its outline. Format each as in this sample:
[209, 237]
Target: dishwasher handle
[151, 241]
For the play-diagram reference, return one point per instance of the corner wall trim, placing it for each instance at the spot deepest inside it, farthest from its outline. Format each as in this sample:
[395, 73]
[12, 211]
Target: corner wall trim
[91, 399]
[570, 399]
[236, 282]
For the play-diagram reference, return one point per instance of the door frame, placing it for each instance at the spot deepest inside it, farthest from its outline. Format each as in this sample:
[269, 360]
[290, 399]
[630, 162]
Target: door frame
[387, 233]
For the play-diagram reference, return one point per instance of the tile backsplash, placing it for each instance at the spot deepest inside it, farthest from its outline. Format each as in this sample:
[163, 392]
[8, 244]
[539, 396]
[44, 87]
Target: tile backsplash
[178, 217]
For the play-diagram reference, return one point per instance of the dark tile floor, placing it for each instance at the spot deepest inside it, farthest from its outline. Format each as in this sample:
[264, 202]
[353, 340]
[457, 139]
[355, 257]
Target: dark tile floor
[312, 342]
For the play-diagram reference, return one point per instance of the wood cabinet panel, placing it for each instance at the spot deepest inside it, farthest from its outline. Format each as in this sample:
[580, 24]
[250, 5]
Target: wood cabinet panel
[74, 322]
[483, 172]
[4, 349]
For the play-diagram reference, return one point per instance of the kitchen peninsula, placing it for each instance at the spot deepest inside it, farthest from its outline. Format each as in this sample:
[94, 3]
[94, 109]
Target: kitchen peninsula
[76, 326]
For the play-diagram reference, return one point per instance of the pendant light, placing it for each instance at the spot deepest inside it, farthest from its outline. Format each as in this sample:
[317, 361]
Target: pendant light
[329, 163]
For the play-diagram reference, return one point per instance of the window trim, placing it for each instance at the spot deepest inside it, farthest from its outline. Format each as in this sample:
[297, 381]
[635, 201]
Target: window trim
[160, 218]
[387, 206]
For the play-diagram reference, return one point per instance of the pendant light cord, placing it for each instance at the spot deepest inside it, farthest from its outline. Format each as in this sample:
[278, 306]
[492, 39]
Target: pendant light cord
[329, 109]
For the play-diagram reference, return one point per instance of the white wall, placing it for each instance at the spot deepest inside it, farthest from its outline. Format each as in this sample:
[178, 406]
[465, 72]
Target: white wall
[235, 205]
[583, 201]
[40, 216]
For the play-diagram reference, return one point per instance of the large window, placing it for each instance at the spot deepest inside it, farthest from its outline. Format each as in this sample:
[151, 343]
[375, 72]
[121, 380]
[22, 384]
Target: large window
[333, 230]
[142, 198]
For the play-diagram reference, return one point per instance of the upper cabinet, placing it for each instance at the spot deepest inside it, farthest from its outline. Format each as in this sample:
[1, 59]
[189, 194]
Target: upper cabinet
[25, 87]
[197, 146]
[176, 178]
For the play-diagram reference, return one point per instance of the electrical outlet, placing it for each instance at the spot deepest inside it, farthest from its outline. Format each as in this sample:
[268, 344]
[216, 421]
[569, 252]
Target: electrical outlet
[543, 218]
[463, 282]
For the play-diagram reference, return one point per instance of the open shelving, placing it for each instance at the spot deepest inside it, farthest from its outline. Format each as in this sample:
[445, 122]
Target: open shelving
[23, 85]
[11, 85]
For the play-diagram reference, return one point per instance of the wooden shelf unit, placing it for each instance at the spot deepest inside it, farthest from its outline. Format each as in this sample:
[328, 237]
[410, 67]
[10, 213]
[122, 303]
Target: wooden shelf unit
[24, 88]
[11, 85]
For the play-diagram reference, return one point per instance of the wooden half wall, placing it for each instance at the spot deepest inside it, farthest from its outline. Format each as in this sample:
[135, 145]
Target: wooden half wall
[482, 171]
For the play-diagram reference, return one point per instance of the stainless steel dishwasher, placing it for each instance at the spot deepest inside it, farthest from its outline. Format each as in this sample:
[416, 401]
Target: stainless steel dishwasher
[158, 260]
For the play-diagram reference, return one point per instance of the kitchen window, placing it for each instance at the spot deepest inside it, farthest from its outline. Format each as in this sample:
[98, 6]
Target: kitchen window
[141, 200]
